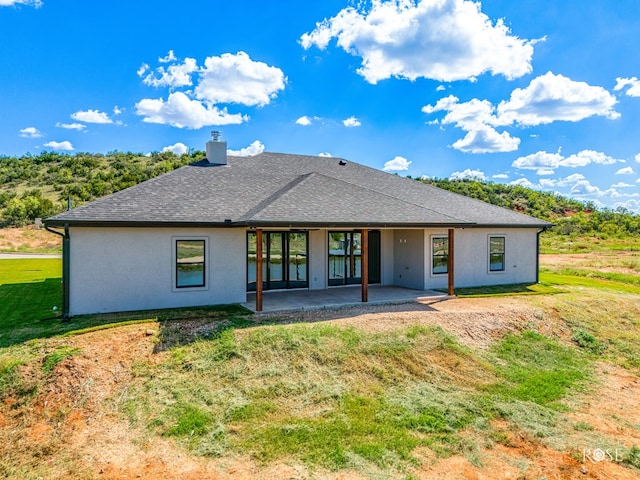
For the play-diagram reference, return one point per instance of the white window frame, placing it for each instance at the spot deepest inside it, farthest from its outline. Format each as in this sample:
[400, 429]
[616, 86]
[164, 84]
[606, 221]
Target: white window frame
[174, 263]
[504, 254]
[431, 239]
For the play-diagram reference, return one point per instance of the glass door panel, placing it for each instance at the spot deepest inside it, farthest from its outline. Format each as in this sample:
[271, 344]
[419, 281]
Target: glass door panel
[275, 276]
[297, 260]
[337, 258]
[354, 256]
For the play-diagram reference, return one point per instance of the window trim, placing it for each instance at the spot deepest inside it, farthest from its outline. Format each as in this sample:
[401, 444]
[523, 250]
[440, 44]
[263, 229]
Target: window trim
[504, 254]
[174, 267]
[443, 237]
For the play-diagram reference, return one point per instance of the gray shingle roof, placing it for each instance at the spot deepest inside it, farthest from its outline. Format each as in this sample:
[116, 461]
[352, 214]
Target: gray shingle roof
[288, 190]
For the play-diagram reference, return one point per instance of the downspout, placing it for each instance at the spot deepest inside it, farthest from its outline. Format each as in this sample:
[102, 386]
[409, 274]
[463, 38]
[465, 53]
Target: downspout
[538, 254]
[65, 268]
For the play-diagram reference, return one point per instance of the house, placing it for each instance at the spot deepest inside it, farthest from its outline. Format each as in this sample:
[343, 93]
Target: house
[210, 232]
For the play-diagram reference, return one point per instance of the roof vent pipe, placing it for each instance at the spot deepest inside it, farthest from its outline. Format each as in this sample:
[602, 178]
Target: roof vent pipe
[216, 149]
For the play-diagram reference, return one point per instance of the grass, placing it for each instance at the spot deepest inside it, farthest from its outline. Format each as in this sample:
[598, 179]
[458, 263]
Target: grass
[336, 398]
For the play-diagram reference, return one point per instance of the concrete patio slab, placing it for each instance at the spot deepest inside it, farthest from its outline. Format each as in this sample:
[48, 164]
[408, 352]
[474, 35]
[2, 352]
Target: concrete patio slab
[338, 297]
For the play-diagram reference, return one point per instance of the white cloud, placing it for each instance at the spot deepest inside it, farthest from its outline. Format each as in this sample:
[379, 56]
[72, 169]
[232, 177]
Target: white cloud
[550, 98]
[304, 121]
[547, 99]
[182, 112]
[443, 40]
[238, 79]
[117, 110]
[631, 205]
[538, 161]
[523, 182]
[500, 176]
[178, 149]
[171, 57]
[178, 75]
[626, 171]
[633, 83]
[256, 148]
[351, 122]
[545, 162]
[66, 145]
[143, 69]
[585, 157]
[325, 154]
[440, 88]
[91, 116]
[71, 126]
[622, 185]
[397, 164]
[224, 79]
[584, 187]
[486, 140]
[468, 173]
[9, 3]
[638, 157]
[30, 132]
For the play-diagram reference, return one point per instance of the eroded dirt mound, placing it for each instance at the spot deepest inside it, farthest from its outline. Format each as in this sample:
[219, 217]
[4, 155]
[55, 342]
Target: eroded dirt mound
[74, 428]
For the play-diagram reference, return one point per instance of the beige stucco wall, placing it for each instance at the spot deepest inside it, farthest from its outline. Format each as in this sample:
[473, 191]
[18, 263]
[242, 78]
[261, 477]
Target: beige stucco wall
[471, 257]
[122, 269]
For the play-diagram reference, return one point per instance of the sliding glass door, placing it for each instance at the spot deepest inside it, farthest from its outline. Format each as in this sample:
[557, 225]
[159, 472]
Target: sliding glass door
[345, 257]
[284, 260]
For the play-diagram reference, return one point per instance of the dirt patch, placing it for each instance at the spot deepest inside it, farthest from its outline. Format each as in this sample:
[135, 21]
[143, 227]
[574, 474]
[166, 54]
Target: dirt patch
[28, 239]
[611, 262]
[74, 428]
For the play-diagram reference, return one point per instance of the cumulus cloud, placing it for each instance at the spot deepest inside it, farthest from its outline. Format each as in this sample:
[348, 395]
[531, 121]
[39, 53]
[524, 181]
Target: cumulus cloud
[626, 171]
[468, 174]
[548, 98]
[500, 176]
[256, 148]
[523, 182]
[182, 112]
[32, 3]
[443, 40]
[178, 149]
[71, 126]
[638, 157]
[66, 145]
[325, 154]
[171, 57]
[351, 122]
[177, 75]
[305, 121]
[30, 132]
[633, 83]
[545, 163]
[622, 185]
[238, 79]
[91, 116]
[485, 139]
[221, 80]
[397, 164]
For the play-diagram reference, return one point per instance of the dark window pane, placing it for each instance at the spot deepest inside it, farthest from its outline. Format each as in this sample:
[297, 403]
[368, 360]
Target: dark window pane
[496, 262]
[496, 244]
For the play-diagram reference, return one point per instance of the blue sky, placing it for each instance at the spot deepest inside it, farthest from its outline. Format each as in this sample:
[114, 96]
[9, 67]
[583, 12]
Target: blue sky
[541, 93]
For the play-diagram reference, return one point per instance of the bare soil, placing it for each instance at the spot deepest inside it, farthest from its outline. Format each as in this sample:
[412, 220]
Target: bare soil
[28, 239]
[74, 424]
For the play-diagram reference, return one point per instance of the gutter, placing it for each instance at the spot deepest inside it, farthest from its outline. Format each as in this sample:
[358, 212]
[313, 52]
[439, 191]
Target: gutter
[66, 250]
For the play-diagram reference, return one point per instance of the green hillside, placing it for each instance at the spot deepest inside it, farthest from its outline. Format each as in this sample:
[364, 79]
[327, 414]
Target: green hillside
[35, 186]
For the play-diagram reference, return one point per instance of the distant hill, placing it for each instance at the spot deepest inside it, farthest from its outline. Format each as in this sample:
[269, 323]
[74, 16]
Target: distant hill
[571, 217]
[37, 186]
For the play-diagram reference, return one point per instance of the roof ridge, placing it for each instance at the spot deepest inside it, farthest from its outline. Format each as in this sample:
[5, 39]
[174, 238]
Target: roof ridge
[396, 198]
[275, 195]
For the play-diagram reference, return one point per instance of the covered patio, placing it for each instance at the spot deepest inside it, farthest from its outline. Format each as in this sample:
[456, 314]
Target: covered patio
[338, 297]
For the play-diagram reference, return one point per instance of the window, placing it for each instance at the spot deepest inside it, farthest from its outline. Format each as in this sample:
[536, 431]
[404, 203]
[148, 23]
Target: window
[439, 255]
[496, 254]
[190, 263]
